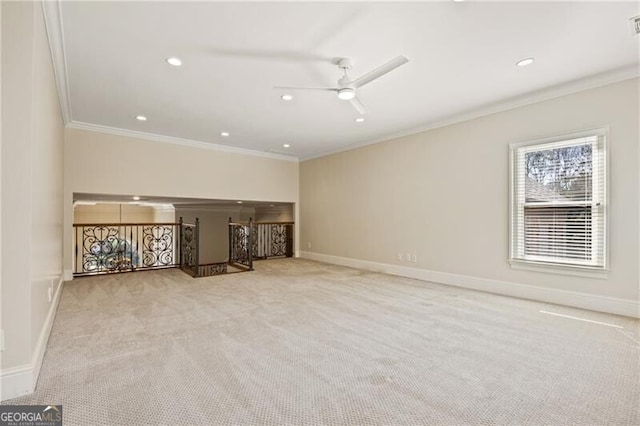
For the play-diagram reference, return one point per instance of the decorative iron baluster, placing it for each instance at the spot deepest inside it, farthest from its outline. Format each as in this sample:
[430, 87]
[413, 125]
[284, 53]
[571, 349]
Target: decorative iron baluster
[250, 238]
[241, 247]
[102, 249]
[278, 240]
[188, 248]
[157, 245]
[212, 269]
[289, 249]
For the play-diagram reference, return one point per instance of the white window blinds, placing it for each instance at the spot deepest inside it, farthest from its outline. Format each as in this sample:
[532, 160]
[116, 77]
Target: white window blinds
[558, 211]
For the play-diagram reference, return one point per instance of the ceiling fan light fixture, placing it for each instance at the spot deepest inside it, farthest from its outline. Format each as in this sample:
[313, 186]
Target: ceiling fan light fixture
[346, 94]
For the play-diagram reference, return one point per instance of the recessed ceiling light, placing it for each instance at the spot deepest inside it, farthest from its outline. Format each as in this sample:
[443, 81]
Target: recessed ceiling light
[176, 62]
[136, 198]
[239, 202]
[286, 97]
[225, 134]
[359, 120]
[286, 145]
[141, 118]
[525, 62]
[458, 1]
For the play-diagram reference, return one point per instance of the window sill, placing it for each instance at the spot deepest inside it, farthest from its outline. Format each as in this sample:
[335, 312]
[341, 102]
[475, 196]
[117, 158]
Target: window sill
[577, 271]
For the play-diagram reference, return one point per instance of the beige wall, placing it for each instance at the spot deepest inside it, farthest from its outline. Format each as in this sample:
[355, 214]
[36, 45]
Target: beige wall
[214, 237]
[32, 173]
[443, 194]
[119, 213]
[164, 214]
[282, 213]
[152, 168]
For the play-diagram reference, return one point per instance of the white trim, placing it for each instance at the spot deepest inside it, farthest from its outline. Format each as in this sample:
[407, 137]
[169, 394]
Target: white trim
[599, 138]
[612, 305]
[22, 380]
[43, 338]
[52, 10]
[15, 382]
[553, 92]
[558, 268]
[176, 141]
[565, 139]
[67, 275]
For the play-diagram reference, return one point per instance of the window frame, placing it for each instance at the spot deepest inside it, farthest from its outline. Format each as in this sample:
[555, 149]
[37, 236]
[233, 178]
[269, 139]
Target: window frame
[515, 231]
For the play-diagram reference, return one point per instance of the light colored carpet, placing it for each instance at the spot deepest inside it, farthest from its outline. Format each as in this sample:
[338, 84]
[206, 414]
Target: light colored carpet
[300, 342]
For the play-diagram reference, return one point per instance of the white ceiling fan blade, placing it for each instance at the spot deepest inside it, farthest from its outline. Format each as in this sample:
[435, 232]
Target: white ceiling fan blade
[358, 105]
[378, 72]
[326, 89]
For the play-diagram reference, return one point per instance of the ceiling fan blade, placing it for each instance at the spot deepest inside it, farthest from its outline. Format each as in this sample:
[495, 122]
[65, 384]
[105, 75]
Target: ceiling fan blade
[358, 105]
[326, 89]
[378, 72]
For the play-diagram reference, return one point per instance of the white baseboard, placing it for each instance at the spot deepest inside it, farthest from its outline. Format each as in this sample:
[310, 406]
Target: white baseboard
[22, 380]
[15, 382]
[67, 275]
[43, 338]
[593, 302]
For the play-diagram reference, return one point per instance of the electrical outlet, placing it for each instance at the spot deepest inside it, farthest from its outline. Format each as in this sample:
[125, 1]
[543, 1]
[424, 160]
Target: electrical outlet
[1, 340]
[408, 257]
[414, 258]
[399, 256]
[308, 245]
[635, 25]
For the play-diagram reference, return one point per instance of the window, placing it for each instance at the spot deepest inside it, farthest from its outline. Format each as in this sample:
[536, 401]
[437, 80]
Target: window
[558, 201]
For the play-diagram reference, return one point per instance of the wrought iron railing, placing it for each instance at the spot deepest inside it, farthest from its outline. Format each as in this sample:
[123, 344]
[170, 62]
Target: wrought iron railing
[240, 243]
[272, 239]
[189, 247]
[104, 248]
[210, 269]
[107, 248]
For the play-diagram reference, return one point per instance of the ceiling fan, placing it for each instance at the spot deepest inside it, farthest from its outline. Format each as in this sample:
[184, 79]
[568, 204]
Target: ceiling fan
[346, 89]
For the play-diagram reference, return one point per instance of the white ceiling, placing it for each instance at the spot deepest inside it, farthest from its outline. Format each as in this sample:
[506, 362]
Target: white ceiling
[462, 59]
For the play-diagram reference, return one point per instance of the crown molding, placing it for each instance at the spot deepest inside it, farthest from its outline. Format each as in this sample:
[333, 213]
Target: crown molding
[576, 86]
[54, 25]
[176, 141]
[52, 10]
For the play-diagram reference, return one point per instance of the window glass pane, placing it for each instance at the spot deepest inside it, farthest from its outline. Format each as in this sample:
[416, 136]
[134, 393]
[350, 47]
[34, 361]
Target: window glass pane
[559, 174]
